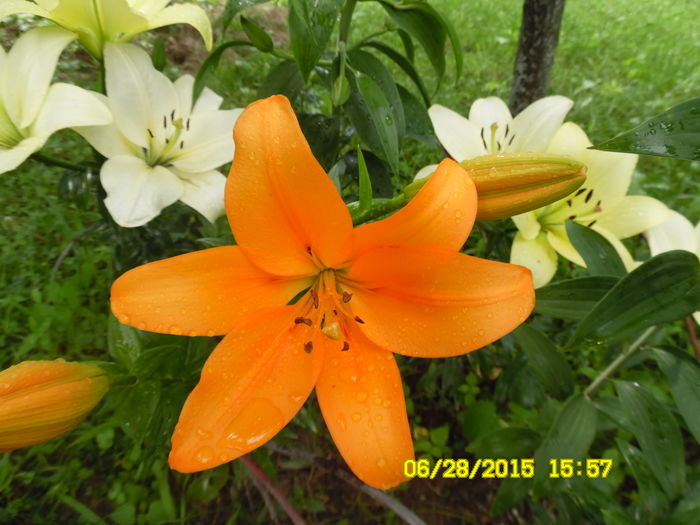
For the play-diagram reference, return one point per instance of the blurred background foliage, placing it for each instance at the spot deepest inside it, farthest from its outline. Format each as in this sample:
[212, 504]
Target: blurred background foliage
[621, 62]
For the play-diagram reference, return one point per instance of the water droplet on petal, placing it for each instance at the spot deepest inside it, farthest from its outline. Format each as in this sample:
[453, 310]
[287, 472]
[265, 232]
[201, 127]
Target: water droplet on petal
[205, 455]
[356, 416]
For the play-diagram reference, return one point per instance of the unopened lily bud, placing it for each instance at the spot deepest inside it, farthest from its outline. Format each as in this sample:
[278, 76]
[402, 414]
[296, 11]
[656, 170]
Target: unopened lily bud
[40, 400]
[513, 183]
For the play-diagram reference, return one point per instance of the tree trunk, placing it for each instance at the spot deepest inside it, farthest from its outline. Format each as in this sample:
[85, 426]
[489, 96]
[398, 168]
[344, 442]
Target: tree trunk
[539, 35]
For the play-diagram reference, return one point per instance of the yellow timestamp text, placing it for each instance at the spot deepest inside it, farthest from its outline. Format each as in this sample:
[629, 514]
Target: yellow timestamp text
[501, 468]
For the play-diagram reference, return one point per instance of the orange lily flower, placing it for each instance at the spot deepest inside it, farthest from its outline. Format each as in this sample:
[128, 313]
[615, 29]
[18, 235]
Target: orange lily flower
[397, 285]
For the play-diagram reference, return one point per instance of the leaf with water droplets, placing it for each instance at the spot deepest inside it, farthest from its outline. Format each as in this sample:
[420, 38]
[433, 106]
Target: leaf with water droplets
[600, 256]
[673, 133]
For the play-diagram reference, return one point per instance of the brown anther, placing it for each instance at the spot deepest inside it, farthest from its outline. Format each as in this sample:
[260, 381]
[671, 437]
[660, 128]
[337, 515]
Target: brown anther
[172, 115]
[308, 347]
[303, 320]
[150, 133]
[598, 208]
[314, 298]
[579, 192]
[187, 125]
[335, 312]
[357, 318]
[346, 297]
[568, 203]
[165, 122]
[346, 346]
[483, 140]
[591, 223]
[308, 250]
[572, 217]
[589, 195]
[182, 144]
[512, 137]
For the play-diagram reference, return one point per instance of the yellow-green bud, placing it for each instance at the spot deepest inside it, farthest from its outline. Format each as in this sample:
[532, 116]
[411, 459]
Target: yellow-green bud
[508, 184]
[40, 400]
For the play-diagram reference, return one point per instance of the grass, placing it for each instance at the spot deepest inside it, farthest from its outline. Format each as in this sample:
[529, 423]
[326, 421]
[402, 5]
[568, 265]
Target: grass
[621, 62]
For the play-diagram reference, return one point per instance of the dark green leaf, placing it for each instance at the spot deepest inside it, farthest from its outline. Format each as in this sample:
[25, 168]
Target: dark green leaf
[257, 35]
[511, 442]
[372, 116]
[378, 171]
[233, 7]
[373, 68]
[311, 23]
[407, 44]
[124, 342]
[569, 437]
[323, 135]
[547, 363]
[158, 54]
[683, 376]
[404, 64]
[365, 183]
[673, 133]
[480, 417]
[283, 79]
[211, 63]
[600, 256]
[663, 289]
[418, 125]
[651, 501]
[511, 492]
[572, 299]
[658, 435]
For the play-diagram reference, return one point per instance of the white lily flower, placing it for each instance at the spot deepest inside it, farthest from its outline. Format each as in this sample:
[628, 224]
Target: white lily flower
[160, 148]
[100, 21]
[491, 129]
[675, 233]
[31, 109]
[601, 203]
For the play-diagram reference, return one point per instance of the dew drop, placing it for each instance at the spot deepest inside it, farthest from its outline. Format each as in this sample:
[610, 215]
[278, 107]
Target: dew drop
[205, 455]
[203, 434]
[361, 396]
[381, 462]
[356, 416]
[349, 375]
[386, 403]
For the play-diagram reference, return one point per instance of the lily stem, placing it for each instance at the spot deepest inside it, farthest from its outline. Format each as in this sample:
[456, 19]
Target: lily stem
[52, 161]
[692, 335]
[257, 473]
[619, 361]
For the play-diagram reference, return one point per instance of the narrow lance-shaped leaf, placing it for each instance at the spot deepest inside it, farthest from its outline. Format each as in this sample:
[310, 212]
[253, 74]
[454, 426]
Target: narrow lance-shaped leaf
[233, 7]
[683, 375]
[658, 435]
[257, 35]
[600, 256]
[674, 133]
[311, 23]
[211, 63]
[365, 182]
[283, 79]
[418, 125]
[404, 64]
[572, 299]
[548, 364]
[663, 289]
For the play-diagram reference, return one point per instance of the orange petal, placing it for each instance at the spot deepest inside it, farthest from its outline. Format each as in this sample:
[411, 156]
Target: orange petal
[435, 303]
[362, 401]
[251, 386]
[200, 293]
[441, 215]
[284, 210]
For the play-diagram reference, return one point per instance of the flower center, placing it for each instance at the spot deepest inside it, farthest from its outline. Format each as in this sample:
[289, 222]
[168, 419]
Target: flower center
[496, 143]
[164, 145]
[10, 136]
[326, 308]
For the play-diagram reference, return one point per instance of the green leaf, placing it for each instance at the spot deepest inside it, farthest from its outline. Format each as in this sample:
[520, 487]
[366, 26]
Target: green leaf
[404, 64]
[569, 437]
[480, 417]
[418, 124]
[511, 492]
[373, 68]
[323, 135]
[663, 289]
[683, 376]
[211, 63]
[511, 442]
[572, 299]
[600, 256]
[407, 44]
[547, 363]
[365, 183]
[233, 7]
[674, 133]
[123, 342]
[283, 79]
[257, 35]
[440, 435]
[158, 53]
[658, 435]
[372, 116]
[311, 23]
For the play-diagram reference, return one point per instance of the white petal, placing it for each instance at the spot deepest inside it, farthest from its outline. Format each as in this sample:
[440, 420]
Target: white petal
[528, 225]
[209, 142]
[457, 135]
[207, 101]
[537, 255]
[696, 316]
[425, 172]
[141, 97]
[204, 192]
[148, 7]
[29, 67]
[535, 126]
[492, 117]
[633, 215]
[183, 88]
[184, 14]
[697, 239]
[559, 240]
[136, 192]
[675, 233]
[67, 106]
[107, 139]
[13, 157]
[12, 7]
